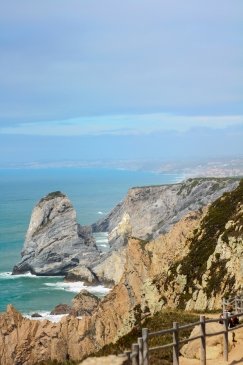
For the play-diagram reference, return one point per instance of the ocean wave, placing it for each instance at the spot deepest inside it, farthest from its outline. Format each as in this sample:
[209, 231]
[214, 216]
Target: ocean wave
[45, 316]
[77, 286]
[8, 275]
[101, 234]
[100, 213]
[101, 240]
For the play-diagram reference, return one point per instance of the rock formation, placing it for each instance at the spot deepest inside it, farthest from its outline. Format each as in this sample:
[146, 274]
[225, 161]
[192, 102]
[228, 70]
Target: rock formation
[150, 211]
[84, 303]
[192, 266]
[55, 243]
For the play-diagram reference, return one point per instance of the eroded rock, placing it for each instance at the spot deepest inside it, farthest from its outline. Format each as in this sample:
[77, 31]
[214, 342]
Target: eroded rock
[55, 243]
[84, 303]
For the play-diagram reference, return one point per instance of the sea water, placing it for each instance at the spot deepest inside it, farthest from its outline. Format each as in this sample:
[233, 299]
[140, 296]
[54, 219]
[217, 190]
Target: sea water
[93, 192]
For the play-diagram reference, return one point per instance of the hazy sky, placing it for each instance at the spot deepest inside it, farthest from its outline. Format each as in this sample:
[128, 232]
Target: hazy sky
[86, 75]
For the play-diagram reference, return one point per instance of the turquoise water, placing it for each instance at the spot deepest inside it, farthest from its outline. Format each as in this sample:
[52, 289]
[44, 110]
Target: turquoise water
[93, 192]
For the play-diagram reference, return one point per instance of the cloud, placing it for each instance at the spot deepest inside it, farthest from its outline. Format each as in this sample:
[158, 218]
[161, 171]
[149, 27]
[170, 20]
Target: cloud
[68, 59]
[193, 144]
[123, 125]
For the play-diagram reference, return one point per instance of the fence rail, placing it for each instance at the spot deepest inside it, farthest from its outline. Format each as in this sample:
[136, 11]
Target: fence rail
[139, 354]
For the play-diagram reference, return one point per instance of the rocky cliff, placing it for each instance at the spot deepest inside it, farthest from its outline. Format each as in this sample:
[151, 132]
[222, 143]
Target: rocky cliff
[192, 266]
[55, 242]
[148, 212]
[57, 245]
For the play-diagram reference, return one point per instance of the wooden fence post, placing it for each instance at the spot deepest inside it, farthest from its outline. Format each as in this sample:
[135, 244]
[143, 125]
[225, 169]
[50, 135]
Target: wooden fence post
[236, 305]
[145, 346]
[128, 354]
[175, 344]
[135, 354]
[203, 341]
[140, 350]
[226, 338]
[224, 304]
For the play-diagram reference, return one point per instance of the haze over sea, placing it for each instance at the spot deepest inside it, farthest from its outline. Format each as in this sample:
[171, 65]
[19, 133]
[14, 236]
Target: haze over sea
[93, 192]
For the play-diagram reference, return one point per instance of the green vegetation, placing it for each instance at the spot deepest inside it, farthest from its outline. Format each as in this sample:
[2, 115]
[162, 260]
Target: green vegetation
[54, 194]
[217, 183]
[203, 244]
[188, 186]
[161, 320]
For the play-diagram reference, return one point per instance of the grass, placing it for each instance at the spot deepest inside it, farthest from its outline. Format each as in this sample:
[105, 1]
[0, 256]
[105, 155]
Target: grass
[161, 320]
[54, 194]
[203, 244]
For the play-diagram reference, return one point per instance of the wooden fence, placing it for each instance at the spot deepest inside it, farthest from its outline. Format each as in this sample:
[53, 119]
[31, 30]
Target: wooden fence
[139, 354]
[235, 302]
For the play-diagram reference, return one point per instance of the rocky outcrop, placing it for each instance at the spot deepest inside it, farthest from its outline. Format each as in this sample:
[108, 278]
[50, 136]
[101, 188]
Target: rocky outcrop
[27, 342]
[83, 303]
[110, 269]
[55, 243]
[150, 211]
[192, 266]
[200, 260]
[61, 309]
[82, 273]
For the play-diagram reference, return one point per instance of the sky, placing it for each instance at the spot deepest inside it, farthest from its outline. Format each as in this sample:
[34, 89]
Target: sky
[102, 79]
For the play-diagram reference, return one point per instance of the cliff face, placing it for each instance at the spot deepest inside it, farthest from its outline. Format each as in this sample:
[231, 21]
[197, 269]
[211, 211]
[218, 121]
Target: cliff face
[56, 245]
[150, 211]
[55, 242]
[27, 342]
[192, 266]
[213, 266]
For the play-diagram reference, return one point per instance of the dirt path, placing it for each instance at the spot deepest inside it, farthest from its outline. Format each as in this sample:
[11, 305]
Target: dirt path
[235, 355]
[235, 358]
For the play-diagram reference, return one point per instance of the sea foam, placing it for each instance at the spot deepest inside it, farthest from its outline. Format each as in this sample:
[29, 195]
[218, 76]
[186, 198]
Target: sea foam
[77, 286]
[8, 275]
[45, 316]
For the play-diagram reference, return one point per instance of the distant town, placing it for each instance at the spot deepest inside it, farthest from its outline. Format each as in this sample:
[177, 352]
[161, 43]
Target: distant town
[228, 167]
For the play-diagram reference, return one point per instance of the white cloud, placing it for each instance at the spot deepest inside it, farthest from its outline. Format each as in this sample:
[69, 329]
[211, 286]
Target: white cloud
[124, 124]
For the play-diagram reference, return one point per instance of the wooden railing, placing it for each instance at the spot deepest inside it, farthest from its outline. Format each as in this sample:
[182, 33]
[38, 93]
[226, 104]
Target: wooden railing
[139, 354]
[235, 302]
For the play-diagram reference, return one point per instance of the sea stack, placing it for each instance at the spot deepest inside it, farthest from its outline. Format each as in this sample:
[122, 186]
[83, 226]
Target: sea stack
[55, 242]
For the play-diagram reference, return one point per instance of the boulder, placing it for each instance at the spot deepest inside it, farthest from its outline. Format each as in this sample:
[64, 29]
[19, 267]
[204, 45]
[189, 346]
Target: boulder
[61, 309]
[55, 242]
[82, 273]
[36, 315]
[84, 303]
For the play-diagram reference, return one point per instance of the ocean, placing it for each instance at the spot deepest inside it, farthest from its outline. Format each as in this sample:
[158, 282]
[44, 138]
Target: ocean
[93, 192]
